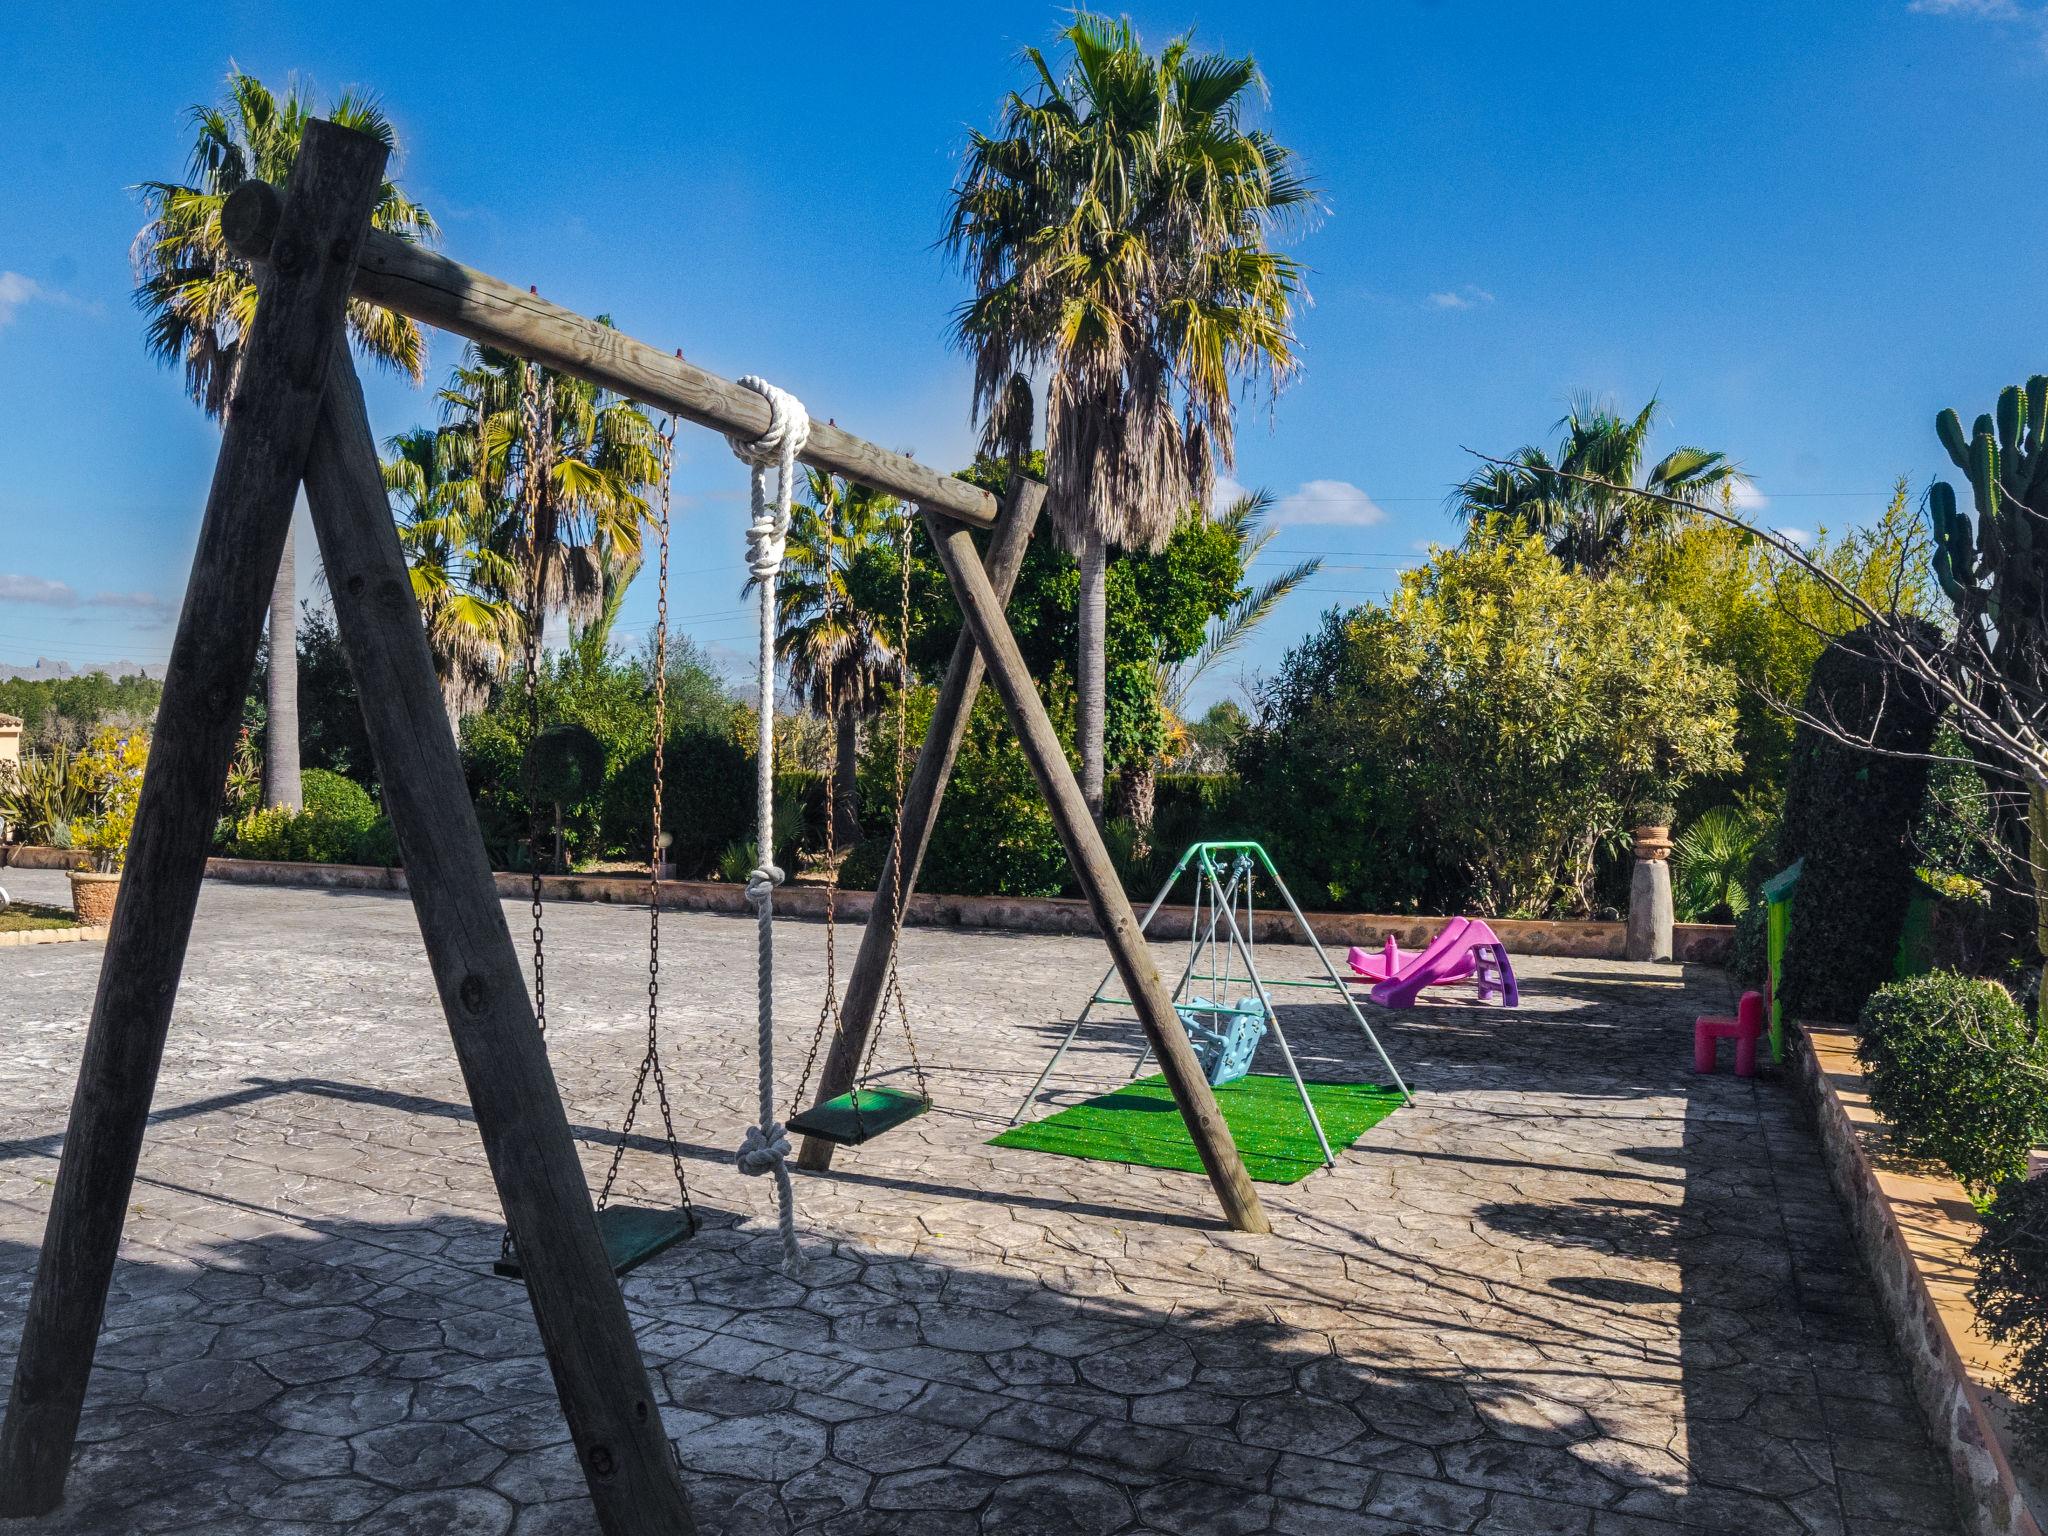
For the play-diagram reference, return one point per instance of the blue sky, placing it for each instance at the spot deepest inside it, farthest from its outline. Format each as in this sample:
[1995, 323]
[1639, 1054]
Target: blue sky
[1806, 227]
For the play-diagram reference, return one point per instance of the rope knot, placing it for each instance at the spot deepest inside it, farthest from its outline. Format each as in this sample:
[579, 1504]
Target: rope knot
[789, 428]
[761, 883]
[762, 1151]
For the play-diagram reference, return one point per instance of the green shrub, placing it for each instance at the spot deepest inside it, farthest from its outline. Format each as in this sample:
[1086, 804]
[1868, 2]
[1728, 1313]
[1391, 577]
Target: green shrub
[1471, 743]
[377, 844]
[707, 801]
[335, 798]
[1849, 813]
[2011, 1296]
[1955, 1066]
[338, 817]
[994, 837]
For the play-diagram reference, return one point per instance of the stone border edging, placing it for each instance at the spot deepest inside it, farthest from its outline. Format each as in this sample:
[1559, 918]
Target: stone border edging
[1920, 1266]
[29, 856]
[1692, 943]
[1698, 943]
[82, 934]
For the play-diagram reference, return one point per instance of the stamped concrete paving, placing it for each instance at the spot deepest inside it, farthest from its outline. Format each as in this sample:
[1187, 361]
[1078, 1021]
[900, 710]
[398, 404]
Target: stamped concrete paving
[1574, 1289]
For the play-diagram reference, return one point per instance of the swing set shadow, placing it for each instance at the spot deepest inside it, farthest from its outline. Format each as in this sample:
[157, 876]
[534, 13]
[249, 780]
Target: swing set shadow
[262, 1089]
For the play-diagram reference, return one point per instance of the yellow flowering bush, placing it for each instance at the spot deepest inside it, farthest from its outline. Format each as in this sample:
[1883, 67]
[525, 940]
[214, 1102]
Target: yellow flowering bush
[109, 771]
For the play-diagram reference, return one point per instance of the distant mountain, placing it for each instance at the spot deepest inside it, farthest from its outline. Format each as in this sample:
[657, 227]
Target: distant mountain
[48, 670]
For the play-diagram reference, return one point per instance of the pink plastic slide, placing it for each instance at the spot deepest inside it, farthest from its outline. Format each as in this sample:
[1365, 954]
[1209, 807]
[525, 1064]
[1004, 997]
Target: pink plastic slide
[1465, 947]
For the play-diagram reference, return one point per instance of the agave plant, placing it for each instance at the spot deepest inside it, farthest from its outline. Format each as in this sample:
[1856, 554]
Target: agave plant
[44, 797]
[1710, 861]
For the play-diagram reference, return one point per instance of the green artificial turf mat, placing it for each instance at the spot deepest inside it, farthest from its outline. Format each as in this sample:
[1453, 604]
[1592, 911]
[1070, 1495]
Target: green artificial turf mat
[1140, 1124]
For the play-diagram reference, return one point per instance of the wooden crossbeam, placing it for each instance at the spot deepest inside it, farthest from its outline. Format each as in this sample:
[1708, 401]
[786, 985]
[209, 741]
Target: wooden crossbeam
[439, 292]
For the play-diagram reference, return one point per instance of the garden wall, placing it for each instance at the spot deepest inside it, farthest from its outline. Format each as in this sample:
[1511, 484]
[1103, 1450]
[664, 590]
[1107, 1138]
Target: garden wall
[1915, 1231]
[1695, 943]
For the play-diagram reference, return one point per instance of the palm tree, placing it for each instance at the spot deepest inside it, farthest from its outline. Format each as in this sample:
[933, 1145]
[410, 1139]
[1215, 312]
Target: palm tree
[1115, 230]
[1589, 526]
[840, 653]
[551, 472]
[1174, 681]
[200, 298]
[459, 580]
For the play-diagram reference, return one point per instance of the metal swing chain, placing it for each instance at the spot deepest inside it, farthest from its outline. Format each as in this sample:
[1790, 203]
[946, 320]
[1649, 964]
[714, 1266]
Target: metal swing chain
[894, 987]
[828, 1011]
[650, 1060]
[531, 413]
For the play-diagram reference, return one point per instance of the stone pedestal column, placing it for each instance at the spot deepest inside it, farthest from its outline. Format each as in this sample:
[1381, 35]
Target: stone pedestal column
[1649, 896]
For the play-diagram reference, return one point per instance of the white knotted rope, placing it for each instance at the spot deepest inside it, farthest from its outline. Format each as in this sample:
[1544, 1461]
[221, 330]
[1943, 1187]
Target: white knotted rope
[765, 1148]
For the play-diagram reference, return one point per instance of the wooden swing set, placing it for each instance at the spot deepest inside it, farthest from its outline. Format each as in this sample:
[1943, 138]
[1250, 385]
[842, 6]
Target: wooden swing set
[298, 417]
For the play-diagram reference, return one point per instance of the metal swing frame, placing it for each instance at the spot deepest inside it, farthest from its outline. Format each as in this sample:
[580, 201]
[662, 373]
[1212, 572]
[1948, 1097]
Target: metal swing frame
[1224, 872]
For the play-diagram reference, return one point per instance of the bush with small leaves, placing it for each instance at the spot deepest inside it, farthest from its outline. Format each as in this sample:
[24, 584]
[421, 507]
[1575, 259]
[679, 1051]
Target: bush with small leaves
[1956, 1067]
[334, 827]
[2011, 1297]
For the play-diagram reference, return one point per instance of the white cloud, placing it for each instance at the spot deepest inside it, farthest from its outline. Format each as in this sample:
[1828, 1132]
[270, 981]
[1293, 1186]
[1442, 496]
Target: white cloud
[1465, 296]
[148, 600]
[1748, 499]
[1987, 10]
[15, 291]
[16, 588]
[1227, 490]
[1333, 502]
[1800, 536]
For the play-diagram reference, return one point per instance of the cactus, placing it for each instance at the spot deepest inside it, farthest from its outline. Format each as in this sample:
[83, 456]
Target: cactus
[2005, 457]
[1990, 571]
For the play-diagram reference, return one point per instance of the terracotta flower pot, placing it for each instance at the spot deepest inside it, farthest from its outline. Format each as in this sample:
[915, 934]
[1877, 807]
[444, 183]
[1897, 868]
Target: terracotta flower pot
[93, 895]
[1652, 843]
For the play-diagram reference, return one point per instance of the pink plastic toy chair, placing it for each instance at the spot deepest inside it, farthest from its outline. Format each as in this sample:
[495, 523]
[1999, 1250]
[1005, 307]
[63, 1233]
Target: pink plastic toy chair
[1465, 947]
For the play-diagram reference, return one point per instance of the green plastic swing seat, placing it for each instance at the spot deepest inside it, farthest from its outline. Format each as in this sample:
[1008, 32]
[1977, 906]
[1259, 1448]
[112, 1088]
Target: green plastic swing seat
[860, 1116]
[632, 1235]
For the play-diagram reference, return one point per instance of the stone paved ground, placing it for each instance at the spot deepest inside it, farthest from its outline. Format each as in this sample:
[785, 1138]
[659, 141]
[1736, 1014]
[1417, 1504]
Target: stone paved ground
[1573, 1290]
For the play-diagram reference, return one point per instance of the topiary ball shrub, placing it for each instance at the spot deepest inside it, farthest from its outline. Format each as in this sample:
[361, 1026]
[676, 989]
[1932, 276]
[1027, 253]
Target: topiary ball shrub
[1958, 1070]
[2011, 1297]
[563, 766]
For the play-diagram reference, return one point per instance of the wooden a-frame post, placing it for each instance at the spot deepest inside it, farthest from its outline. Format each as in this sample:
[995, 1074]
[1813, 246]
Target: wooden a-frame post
[982, 587]
[298, 410]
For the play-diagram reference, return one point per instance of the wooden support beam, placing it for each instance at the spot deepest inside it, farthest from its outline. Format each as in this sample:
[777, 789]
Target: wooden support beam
[612, 1413]
[269, 429]
[919, 814]
[439, 292]
[1099, 882]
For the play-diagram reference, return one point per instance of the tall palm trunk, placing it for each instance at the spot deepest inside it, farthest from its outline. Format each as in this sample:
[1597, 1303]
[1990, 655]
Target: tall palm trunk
[845, 777]
[281, 699]
[1091, 680]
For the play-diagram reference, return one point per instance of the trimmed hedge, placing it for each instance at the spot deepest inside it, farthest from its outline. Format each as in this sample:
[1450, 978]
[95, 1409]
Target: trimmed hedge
[1954, 1065]
[1850, 814]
